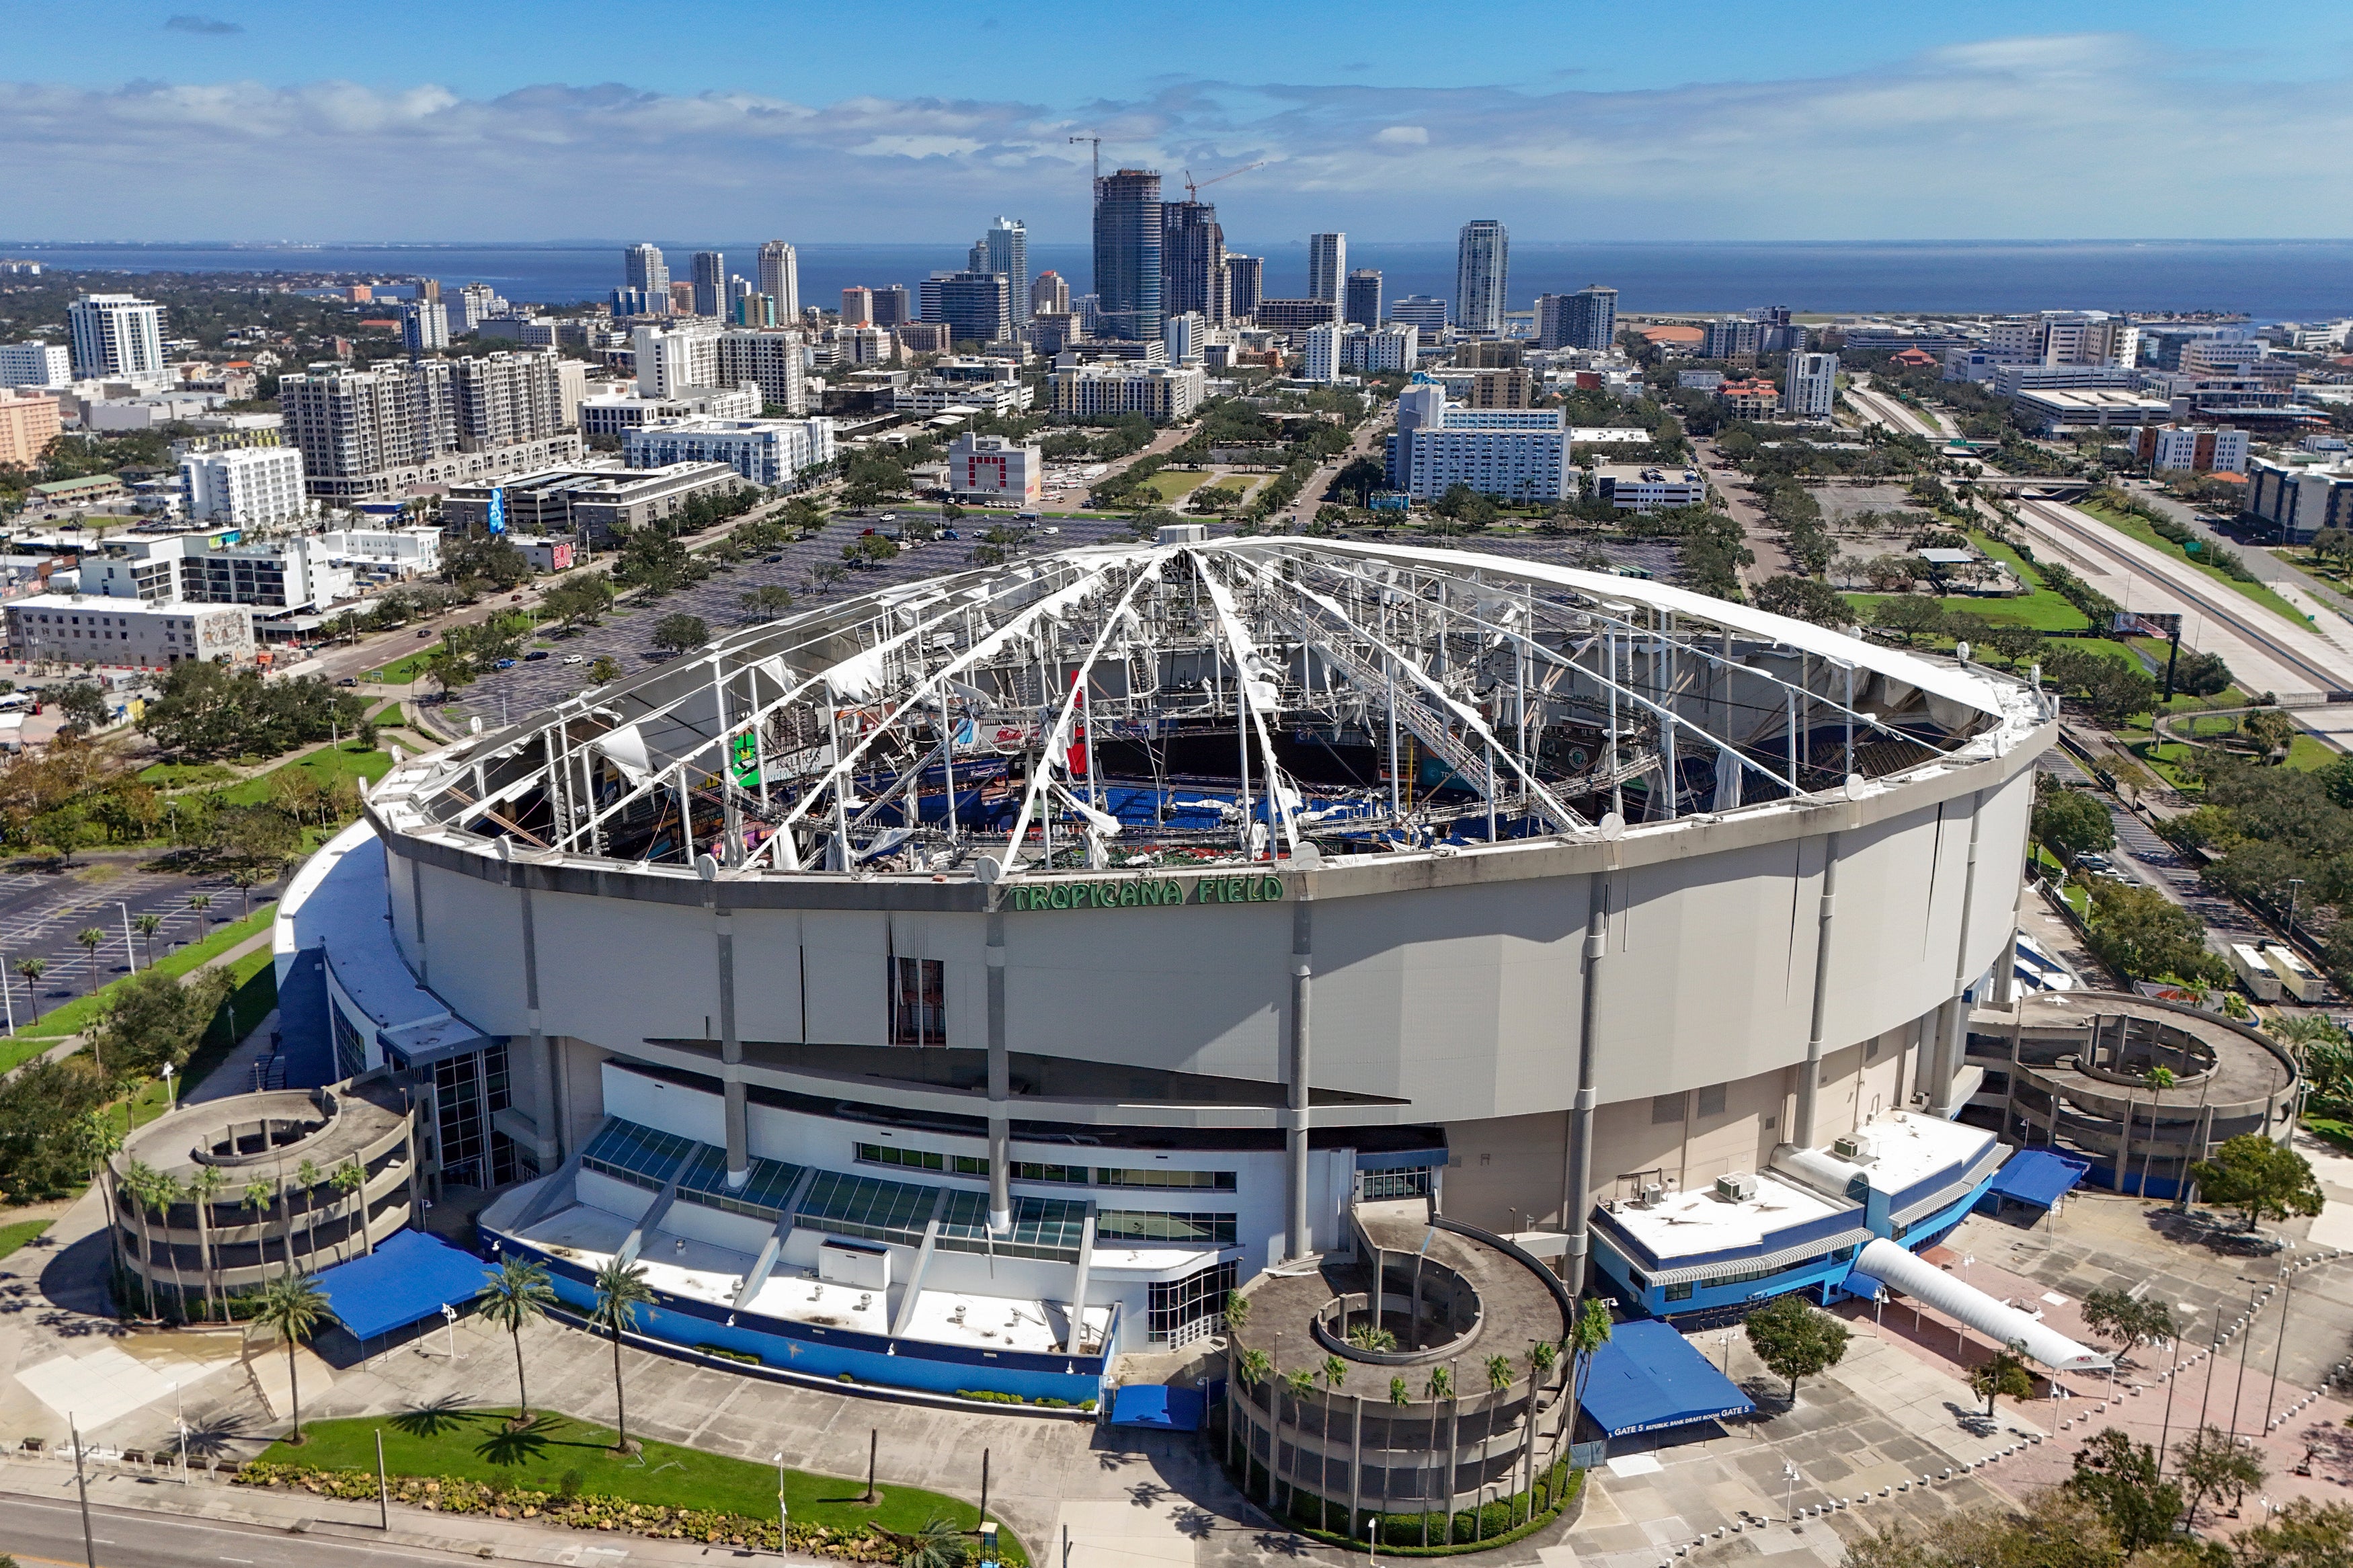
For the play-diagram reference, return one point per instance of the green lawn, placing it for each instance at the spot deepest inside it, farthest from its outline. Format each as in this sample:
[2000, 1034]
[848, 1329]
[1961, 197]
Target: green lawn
[474, 1445]
[12, 1237]
[1173, 485]
[2042, 609]
[2141, 531]
[401, 671]
[2308, 753]
[177, 775]
[322, 766]
[72, 1016]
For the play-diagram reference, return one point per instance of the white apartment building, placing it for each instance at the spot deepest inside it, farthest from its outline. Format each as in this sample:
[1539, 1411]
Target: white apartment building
[2193, 449]
[618, 413]
[770, 359]
[1320, 356]
[245, 486]
[1630, 487]
[1395, 346]
[765, 451]
[1811, 386]
[116, 334]
[670, 359]
[780, 279]
[1520, 454]
[1116, 386]
[1184, 336]
[80, 628]
[36, 364]
[424, 327]
[989, 470]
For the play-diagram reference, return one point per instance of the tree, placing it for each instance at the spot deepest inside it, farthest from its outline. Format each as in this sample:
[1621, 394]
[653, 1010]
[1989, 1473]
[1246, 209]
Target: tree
[255, 1199]
[2014, 646]
[939, 1544]
[2304, 1534]
[1805, 599]
[2201, 675]
[2118, 1316]
[153, 1020]
[766, 601]
[579, 599]
[31, 969]
[83, 707]
[2261, 1179]
[64, 828]
[621, 1289]
[2004, 1373]
[2072, 823]
[450, 669]
[676, 632]
[517, 1294]
[870, 549]
[2270, 730]
[1795, 1339]
[2119, 1478]
[603, 669]
[1587, 1334]
[350, 1177]
[157, 1192]
[91, 939]
[1360, 477]
[2210, 1462]
[296, 1309]
[1909, 617]
[205, 1184]
[2142, 933]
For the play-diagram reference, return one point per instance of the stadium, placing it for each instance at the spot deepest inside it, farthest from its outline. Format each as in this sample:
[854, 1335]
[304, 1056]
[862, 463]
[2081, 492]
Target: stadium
[958, 986]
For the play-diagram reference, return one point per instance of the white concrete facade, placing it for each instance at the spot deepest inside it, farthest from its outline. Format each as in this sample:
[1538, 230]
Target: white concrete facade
[244, 487]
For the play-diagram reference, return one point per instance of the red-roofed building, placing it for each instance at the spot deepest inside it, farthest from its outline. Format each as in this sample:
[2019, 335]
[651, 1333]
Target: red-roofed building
[1913, 358]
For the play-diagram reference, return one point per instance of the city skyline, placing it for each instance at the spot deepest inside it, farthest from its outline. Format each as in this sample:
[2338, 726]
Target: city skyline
[245, 124]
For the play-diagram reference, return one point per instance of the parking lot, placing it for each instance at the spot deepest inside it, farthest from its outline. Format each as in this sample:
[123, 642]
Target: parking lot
[42, 911]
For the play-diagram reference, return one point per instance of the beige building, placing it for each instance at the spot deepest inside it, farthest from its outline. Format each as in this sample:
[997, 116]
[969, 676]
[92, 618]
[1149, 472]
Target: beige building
[89, 629]
[29, 422]
[1155, 391]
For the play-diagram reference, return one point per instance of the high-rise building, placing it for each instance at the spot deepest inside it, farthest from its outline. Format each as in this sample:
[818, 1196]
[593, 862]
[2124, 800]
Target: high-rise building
[1512, 388]
[769, 360]
[1192, 260]
[1320, 358]
[35, 365]
[476, 304]
[1361, 302]
[1731, 337]
[642, 267]
[1425, 312]
[858, 306]
[976, 306]
[671, 359]
[116, 334]
[710, 283]
[1245, 285]
[893, 306]
[424, 328]
[1182, 335]
[1327, 265]
[1811, 386]
[1482, 271]
[1127, 255]
[1585, 320]
[780, 280]
[367, 433]
[1004, 246]
[1049, 293]
[501, 399]
[29, 422]
[244, 487]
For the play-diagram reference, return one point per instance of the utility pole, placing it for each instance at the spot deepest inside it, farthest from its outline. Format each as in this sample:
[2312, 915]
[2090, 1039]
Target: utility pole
[81, 1485]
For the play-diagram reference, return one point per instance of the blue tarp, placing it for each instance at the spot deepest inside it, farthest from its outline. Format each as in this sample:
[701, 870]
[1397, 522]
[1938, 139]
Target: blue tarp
[1649, 1377]
[1157, 1404]
[2036, 1176]
[408, 1277]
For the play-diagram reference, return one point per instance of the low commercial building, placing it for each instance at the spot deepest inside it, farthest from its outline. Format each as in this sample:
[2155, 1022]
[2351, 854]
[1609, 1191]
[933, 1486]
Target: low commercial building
[2012, 380]
[617, 415]
[989, 470]
[2090, 409]
[297, 572]
[591, 504]
[87, 629]
[29, 422]
[1631, 487]
[243, 487]
[932, 395]
[2193, 449]
[2300, 499]
[768, 452]
[1518, 454]
[384, 555]
[1157, 391]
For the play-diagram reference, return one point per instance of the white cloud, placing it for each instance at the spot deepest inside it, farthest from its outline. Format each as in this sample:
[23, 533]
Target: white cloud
[2042, 136]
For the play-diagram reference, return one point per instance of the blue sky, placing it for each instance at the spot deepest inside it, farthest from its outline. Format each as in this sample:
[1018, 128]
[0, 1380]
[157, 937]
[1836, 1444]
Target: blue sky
[1705, 119]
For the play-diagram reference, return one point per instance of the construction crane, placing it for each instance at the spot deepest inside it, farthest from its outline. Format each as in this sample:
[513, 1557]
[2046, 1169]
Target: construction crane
[1193, 192]
[1096, 142]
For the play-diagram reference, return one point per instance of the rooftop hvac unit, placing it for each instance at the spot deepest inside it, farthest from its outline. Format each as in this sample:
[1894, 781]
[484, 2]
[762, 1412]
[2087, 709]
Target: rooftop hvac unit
[1738, 1187]
[1651, 1195]
[1860, 1147]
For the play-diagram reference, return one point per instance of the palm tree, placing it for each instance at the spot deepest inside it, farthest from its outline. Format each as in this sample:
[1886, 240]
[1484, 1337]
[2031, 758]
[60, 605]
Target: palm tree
[159, 1192]
[31, 969]
[204, 1184]
[257, 1196]
[306, 1176]
[91, 940]
[246, 876]
[296, 1308]
[517, 1294]
[621, 1289]
[1440, 1388]
[200, 903]
[350, 1177]
[147, 925]
[1586, 1338]
[97, 1143]
[138, 1181]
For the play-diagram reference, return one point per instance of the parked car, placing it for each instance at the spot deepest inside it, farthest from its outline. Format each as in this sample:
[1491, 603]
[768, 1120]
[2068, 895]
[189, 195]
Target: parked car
[534, 656]
[771, 560]
[504, 664]
[573, 658]
[347, 680]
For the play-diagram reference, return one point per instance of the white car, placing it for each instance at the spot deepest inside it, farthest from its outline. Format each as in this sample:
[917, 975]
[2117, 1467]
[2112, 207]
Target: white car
[573, 658]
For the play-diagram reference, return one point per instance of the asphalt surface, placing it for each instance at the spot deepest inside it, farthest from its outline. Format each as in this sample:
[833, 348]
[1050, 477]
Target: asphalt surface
[37, 1531]
[41, 912]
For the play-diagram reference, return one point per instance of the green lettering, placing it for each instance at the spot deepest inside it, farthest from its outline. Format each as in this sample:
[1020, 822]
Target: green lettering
[1234, 890]
[1272, 887]
[1059, 897]
[1127, 895]
[1172, 892]
[1021, 897]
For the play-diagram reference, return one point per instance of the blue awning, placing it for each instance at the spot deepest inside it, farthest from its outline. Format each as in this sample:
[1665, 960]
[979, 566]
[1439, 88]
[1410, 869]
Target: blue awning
[1649, 1377]
[409, 1278]
[1158, 1404]
[2037, 1176]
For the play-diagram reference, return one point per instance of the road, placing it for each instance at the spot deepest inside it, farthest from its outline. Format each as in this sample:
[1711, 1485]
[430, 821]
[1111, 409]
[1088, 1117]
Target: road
[37, 1531]
[1881, 408]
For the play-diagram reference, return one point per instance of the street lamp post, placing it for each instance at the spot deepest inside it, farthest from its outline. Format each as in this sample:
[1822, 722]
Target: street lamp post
[2293, 884]
[778, 1460]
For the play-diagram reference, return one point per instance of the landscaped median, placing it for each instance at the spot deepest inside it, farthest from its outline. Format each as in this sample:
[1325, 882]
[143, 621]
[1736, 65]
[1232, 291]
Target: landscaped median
[566, 1472]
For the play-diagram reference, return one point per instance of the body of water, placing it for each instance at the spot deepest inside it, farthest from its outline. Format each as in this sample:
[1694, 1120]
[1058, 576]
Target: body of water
[2267, 279]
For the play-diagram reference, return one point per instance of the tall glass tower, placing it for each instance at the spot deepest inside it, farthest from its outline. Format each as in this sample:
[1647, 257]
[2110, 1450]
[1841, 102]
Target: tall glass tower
[642, 266]
[1127, 255]
[1483, 266]
[1004, 247]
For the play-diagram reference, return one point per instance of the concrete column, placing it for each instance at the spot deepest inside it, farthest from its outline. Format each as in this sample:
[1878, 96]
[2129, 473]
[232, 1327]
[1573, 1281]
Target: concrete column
[1299, 1240]
[1952, 1040]
[1576, 1203]
[417, 917]
[1809, 1081]
[539, 1067]
[1000, 1083]
[731, 1050]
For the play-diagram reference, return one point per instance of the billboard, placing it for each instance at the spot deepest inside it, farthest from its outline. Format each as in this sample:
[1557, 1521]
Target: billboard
[498, 513]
